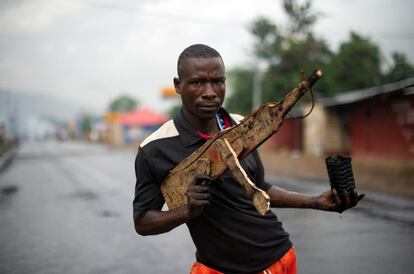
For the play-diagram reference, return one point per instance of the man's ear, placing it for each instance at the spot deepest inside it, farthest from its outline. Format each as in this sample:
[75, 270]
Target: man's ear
[177, 85]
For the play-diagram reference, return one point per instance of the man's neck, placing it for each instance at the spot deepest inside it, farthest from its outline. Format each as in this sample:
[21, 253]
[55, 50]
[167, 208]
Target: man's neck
[210, 127]
[207, 127]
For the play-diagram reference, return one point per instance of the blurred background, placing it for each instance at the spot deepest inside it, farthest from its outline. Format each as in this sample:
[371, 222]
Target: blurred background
[83, 82]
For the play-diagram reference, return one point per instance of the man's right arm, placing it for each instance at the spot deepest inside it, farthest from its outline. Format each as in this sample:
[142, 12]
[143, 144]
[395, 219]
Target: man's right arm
[156, 222]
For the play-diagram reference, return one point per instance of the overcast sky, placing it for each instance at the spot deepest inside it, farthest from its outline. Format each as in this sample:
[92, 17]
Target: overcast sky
[90, 51]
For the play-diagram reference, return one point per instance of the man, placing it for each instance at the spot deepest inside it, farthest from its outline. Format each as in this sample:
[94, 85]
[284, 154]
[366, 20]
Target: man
[229, 235]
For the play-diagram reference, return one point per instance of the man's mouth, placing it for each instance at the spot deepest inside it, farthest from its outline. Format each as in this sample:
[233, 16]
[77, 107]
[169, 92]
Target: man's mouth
[208, 107]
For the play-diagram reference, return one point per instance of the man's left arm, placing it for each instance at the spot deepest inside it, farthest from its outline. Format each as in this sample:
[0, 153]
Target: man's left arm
[328, 200]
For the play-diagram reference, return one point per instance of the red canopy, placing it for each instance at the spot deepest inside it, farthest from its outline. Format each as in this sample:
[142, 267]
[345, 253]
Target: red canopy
[143, 117]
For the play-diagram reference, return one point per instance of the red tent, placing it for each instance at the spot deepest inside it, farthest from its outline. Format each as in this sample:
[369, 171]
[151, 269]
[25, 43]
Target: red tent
[143, 117]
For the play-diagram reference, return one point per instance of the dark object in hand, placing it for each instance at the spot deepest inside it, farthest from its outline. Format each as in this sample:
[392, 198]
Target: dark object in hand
[341, 176]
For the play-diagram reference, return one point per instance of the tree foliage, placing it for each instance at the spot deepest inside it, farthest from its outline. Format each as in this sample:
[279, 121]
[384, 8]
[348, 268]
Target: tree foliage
[283, 52]
[174, 110]
[357, 64]
[86, 123]
[123, 103]
[301, 16]
[400, 69]
[241, 80]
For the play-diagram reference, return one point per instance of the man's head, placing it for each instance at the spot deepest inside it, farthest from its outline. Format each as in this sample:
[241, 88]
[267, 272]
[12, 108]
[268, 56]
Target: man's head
[195, 51]
[200, 82]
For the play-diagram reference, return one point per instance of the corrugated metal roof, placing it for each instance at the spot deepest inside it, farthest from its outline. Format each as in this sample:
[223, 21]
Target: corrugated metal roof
[353, 96]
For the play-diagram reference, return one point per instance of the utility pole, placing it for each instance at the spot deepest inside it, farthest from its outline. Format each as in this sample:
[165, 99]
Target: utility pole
[257, 96]
[257, 89]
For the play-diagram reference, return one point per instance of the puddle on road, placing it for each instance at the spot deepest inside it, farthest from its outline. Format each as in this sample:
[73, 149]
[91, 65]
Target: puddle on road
[85, 195]
[6, 192]
[109, 214]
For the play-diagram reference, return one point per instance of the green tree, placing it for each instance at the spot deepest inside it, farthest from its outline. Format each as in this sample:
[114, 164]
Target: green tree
[285, 53]
[307, 53]
[357, 65]
[241, 82]
[86, 124]
[268, 39]
[400, 70]
[123, 103]
[174, 110]
[301, 16]
[286, 50]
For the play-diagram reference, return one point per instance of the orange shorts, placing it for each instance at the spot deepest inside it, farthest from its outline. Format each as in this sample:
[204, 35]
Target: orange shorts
[285, 265]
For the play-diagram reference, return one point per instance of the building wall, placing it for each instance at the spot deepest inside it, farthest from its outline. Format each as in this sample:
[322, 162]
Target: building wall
[113, 134]
[383, 126]
[337, 139]
[327, 131]
[314, 127]
[289, 136]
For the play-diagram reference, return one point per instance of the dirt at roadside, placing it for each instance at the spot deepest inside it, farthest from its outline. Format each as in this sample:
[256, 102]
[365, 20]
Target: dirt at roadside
[386, 176]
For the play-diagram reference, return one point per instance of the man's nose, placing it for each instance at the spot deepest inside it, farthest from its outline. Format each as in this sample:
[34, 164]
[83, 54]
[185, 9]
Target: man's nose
[209, 91]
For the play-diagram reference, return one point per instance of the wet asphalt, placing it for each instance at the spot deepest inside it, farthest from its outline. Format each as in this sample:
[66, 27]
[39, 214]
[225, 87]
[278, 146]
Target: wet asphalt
[67, 208]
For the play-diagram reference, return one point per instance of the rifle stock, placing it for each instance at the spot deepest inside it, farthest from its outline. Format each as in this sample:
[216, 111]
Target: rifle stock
[225, 149]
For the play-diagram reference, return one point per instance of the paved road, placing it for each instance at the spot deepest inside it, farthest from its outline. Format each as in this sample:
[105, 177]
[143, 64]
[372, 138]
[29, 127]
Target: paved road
[66, 208]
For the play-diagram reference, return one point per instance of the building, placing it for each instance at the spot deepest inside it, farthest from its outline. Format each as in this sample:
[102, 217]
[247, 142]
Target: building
[376, 122]
[132, 127]
[139, 124]
[289, 137]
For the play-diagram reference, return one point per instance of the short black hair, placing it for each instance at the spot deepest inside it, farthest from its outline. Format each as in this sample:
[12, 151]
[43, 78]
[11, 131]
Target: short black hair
[196, 51]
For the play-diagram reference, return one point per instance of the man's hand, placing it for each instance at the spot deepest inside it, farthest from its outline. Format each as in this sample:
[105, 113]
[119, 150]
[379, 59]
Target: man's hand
[330, 201]
[198, 194]
[157, 222]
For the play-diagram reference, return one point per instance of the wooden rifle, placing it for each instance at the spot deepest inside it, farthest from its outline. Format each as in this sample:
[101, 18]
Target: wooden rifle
[228, 147]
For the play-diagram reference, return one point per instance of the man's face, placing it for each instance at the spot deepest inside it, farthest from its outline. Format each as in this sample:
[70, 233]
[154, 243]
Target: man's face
[201, 86]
